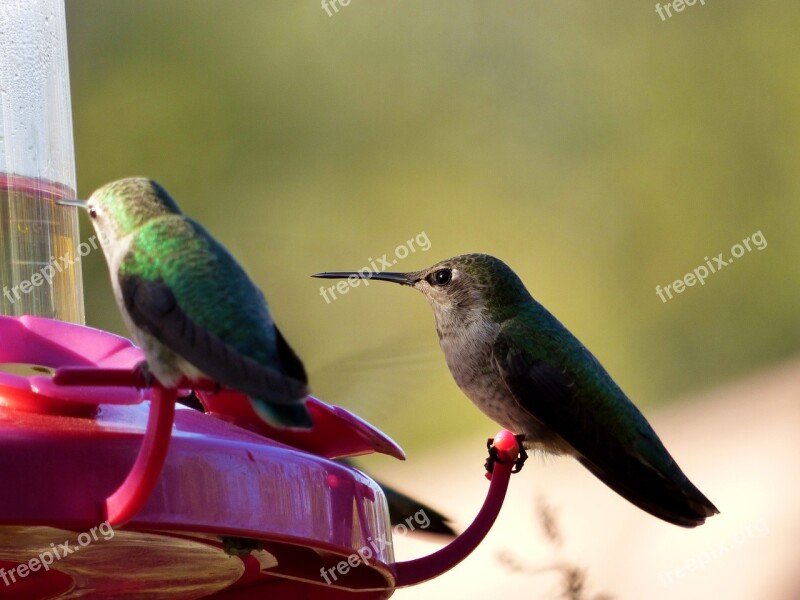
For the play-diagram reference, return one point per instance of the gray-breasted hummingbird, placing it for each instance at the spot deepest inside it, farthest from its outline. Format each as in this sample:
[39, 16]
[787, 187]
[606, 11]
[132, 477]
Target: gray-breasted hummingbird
[189, 305]
[527, 372]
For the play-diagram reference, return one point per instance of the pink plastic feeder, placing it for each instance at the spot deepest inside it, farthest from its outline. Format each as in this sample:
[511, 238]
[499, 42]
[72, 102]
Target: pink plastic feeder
[109, 489]
[82, 449]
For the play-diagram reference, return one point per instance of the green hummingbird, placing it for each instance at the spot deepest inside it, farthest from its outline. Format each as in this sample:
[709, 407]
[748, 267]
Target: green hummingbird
[189, 305]
[527, 372]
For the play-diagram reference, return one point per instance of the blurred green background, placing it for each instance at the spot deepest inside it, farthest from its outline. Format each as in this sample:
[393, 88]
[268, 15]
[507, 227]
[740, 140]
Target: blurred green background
[597, 149]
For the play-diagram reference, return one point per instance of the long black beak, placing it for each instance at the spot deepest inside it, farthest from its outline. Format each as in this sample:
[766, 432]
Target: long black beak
[401, 278]
[78, 203]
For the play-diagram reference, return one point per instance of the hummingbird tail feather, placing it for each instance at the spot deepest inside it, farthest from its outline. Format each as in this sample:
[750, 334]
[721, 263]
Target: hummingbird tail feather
[407, 511]
[673, 499]
[295, 416]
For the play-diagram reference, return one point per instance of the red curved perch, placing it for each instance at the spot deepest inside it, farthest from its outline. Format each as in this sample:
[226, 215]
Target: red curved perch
[412, 572]
[132, 494]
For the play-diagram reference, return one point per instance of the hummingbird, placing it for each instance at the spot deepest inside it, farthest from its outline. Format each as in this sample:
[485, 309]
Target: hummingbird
[189, 305]
[530, 374]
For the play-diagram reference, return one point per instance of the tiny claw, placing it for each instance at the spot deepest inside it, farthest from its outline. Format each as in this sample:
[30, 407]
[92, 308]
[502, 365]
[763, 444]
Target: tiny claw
[145, 376]
[523, 456]
[489, 464]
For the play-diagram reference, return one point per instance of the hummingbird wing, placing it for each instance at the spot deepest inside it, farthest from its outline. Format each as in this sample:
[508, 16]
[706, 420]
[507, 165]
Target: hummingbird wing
[610, 436]
[292, 365]
[153, 308]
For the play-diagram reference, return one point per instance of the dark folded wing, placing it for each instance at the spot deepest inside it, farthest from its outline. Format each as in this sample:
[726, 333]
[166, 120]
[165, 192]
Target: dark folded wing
[291, 363]
[552, 396]
[154, 308]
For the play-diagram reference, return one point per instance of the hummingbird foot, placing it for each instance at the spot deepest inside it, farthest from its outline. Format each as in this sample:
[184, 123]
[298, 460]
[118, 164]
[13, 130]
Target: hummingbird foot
[145, 376]
[494, 458]
[523, 456]
[489, 464]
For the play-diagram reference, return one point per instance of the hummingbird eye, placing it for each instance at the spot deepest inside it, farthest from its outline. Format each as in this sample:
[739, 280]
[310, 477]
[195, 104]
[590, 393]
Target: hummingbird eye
[442, 277]
[92, 212]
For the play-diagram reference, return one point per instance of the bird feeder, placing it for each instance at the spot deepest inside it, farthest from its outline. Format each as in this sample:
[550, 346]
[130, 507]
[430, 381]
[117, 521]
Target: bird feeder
[108, 488]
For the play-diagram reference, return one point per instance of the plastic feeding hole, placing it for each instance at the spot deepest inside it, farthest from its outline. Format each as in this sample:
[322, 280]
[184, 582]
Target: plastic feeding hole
[26, 370]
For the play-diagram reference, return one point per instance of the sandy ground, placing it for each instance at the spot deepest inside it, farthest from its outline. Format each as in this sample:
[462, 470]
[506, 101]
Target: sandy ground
[739, 444]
